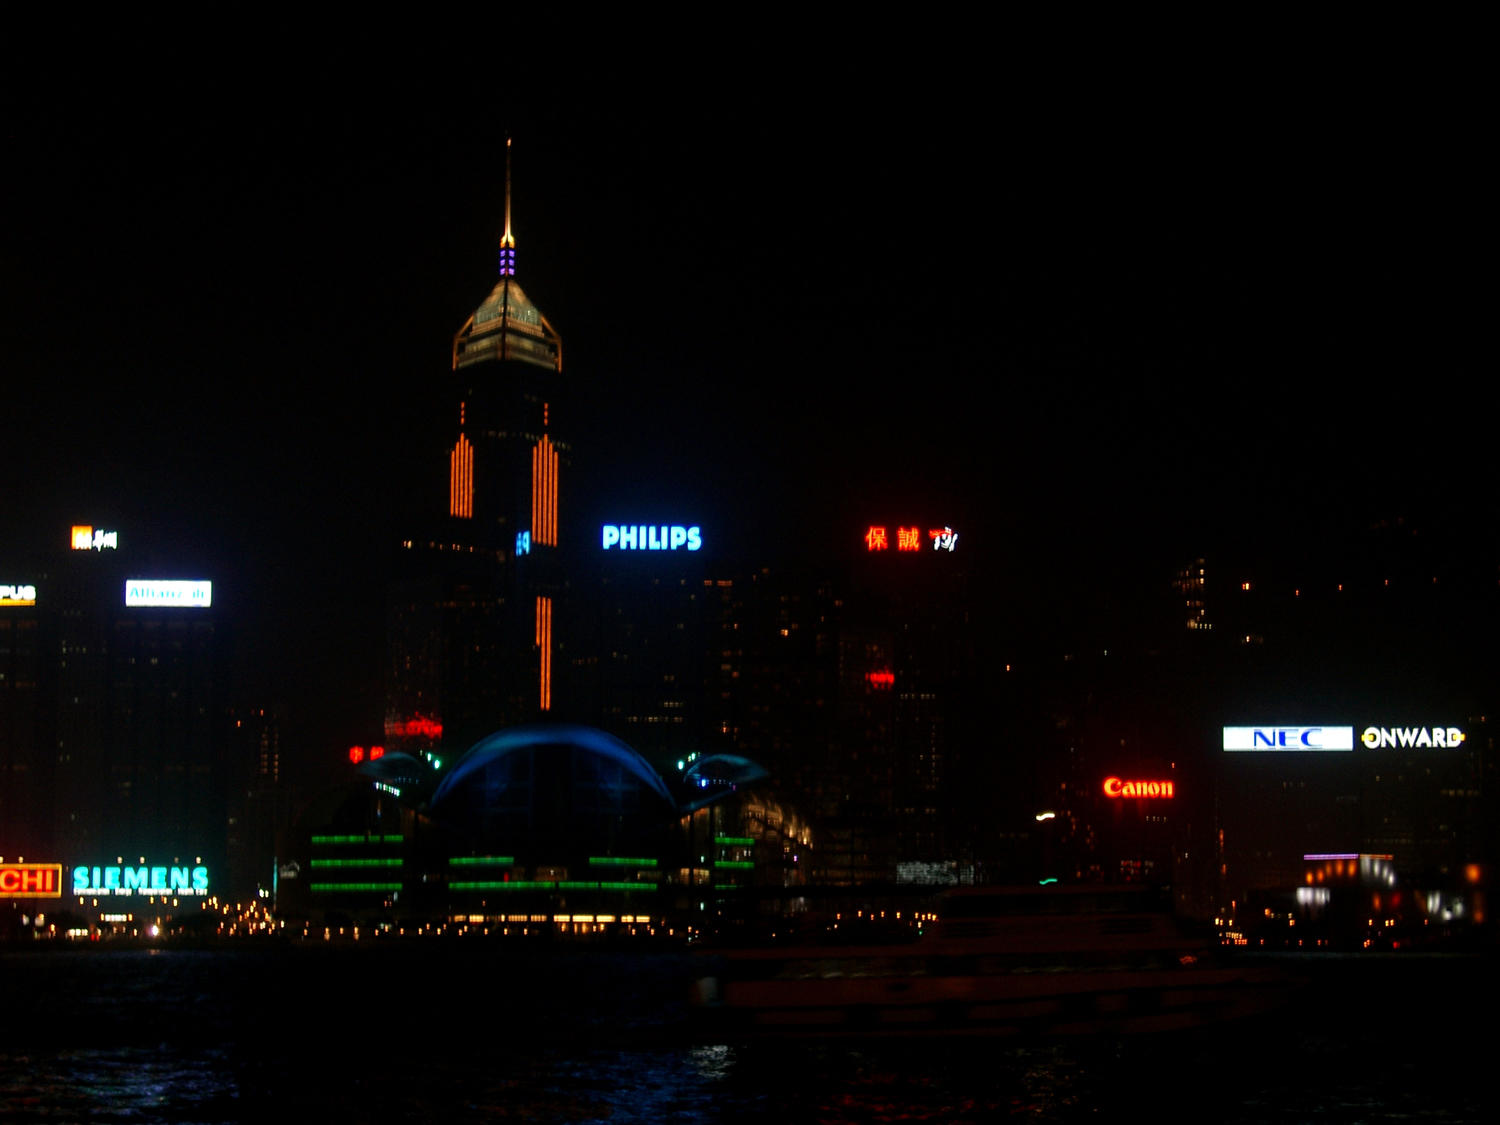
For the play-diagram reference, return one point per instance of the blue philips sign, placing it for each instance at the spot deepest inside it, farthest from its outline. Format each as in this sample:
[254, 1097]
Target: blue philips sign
[651, 537]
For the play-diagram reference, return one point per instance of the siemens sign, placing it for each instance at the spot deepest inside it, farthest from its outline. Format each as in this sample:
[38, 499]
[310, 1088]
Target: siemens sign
[651, 537]
[1288, 738]
[140, 881]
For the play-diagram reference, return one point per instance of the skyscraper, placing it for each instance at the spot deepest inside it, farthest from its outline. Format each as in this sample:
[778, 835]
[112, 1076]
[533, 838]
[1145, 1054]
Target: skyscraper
[473, 641]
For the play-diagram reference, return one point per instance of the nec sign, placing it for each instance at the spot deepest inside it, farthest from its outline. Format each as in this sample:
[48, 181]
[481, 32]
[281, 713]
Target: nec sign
[1288, 738]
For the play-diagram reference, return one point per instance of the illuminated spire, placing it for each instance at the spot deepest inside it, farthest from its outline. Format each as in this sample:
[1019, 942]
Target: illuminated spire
[507, 240]
[507, 326]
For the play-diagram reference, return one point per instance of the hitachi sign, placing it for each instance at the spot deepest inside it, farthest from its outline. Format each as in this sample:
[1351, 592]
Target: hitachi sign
[1288, 738]
[30, 880]
[651, 537]
[1381, 738]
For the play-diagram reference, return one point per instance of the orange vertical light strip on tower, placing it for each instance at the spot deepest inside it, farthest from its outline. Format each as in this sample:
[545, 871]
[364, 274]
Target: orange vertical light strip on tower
[551, 509]
[536, 494]
[453, 481]
[461, 479]
[544, 470]
[544, 645]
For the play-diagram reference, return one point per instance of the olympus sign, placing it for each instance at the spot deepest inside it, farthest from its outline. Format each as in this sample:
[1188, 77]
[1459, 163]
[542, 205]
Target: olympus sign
[1381, 738]
[1288, 738]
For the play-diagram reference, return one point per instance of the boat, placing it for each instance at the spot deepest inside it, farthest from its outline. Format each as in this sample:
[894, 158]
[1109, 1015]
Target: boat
[1024, 961]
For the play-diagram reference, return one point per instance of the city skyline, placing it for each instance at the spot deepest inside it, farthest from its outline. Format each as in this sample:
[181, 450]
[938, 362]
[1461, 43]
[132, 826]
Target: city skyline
[1106, 352]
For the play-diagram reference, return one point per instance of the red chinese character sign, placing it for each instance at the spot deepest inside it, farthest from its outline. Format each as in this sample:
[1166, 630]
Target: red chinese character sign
[910, 539]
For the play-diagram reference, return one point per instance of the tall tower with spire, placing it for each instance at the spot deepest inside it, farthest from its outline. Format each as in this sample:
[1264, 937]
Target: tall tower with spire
[474, 644]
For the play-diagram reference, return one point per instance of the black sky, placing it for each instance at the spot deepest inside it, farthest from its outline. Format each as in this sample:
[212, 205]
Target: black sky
[1103, 317]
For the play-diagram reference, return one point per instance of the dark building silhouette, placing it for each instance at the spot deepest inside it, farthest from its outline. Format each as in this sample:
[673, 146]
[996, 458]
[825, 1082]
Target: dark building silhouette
[474, 614]
[113, 707]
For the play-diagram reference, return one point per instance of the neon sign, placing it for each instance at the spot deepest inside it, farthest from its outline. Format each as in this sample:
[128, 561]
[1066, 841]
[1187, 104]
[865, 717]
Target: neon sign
[140, 880]
[1288, 738]
[18, 595]
[86, 538]
[523, 542]
[1380, 738]
[357, 754]
[180, 593]
[30, 880]
[1115, 788]
[651, 537]
[909, 539]
[418, 726]
[943, 539]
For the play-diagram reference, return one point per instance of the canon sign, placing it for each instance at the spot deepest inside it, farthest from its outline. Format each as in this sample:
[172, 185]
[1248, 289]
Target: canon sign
[1288, 738]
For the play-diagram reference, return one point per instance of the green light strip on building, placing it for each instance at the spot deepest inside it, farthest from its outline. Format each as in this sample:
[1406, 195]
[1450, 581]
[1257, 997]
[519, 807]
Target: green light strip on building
[566, 885]
[326, 888]
[735, 841]
[619, 861]
[355, 840]
[734, 864]
[339, 863]
[482, 861]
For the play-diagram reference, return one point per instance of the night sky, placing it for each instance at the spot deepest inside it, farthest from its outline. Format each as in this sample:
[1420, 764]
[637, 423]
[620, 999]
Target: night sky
[1100, 321]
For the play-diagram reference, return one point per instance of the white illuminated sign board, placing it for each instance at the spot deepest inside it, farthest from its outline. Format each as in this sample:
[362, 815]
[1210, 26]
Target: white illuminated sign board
[1383, 738]
[142, 880]
[18, 595]
[86, 538]
[1342, 738]
[651, 537]
[189, 593]
[1288, 738]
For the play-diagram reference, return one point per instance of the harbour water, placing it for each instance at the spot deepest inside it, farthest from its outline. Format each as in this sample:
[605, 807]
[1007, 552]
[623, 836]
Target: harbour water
[468, 1031]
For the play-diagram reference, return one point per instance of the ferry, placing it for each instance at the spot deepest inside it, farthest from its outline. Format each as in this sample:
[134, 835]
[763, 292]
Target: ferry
[1022, 961]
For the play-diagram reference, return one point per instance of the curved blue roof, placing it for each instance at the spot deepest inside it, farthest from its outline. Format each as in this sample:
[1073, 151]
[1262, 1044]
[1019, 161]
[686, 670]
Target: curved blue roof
[540, 735]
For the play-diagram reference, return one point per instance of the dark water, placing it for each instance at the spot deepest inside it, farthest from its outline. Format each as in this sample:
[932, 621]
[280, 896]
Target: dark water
[461, 1032]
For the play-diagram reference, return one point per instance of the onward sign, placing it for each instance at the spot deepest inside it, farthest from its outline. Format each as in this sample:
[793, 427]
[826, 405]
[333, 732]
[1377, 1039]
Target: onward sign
[1382, 738]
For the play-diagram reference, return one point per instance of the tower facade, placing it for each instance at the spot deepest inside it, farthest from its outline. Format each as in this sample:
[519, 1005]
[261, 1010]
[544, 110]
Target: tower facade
[473, 624]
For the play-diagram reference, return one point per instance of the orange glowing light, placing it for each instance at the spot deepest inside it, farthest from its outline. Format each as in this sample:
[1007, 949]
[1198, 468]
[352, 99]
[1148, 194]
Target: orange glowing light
[461, 479]
[875, 539]
[544, 464]
[356, 754]
[544, 646]
[30, 880]
[82, 537]
[908, 539]
[1115, 788]
[377, 752]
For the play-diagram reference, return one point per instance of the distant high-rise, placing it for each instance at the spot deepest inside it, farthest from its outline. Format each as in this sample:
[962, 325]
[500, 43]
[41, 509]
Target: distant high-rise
[473, 642]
